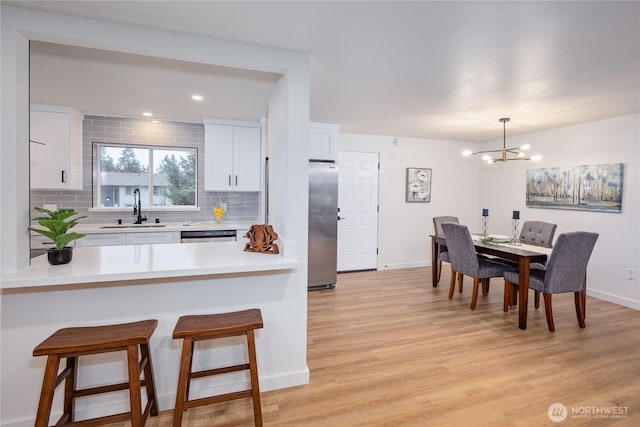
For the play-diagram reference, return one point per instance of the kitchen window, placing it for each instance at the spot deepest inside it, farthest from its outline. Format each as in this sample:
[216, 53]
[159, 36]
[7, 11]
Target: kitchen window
[165, 176]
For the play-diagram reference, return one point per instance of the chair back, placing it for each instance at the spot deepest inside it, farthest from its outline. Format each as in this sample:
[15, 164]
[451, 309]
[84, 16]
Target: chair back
[538, 233]
[567, 265]
[462, 254]
[439, 220]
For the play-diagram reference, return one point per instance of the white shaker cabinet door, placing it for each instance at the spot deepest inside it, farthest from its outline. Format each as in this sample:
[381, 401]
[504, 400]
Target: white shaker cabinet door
[49, 135]
[55, 135]
[323, 140]
[246, 158]
[218, 158]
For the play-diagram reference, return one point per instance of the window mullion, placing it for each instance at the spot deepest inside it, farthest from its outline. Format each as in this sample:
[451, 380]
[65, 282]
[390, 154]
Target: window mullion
[150, 179]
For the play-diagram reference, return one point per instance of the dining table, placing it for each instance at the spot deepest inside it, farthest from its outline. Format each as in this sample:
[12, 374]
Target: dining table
[523, 254]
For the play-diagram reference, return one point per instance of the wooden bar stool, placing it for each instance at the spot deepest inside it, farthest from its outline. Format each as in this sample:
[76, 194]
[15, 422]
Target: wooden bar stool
[71, 343]
[211, 326]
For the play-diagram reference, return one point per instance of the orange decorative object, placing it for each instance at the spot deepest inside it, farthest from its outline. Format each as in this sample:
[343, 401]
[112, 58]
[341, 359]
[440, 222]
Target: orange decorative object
[261, 239]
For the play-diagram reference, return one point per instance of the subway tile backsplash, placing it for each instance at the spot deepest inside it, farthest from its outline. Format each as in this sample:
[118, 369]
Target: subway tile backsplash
[241, 206]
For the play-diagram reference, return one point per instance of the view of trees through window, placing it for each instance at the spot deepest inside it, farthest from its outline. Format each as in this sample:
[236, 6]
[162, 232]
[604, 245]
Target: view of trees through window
[169, 171]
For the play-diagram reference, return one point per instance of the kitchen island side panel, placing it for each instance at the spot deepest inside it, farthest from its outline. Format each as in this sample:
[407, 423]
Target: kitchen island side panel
[30, 315]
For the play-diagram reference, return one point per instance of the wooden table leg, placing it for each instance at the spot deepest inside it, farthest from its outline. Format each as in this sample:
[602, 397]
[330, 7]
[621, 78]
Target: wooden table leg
[523, 291]
[435, 247]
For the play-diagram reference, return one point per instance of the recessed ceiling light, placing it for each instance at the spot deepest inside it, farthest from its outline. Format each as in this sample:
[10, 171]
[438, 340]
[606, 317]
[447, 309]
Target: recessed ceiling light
[147, 114]
[197, 97]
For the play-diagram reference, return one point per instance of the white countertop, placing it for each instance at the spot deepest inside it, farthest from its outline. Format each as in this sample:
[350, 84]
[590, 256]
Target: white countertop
[147, 227]
[139, 262]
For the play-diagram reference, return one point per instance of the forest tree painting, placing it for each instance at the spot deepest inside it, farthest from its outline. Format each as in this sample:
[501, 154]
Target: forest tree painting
[588, 187]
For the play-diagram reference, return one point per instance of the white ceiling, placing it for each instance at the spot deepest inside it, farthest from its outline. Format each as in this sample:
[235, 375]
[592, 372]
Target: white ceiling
[442, 70]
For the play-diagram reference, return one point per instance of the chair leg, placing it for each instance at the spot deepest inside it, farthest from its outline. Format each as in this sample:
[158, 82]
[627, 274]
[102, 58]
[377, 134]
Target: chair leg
[439, 271]
[474, 296]
[549, 312]
[134, 386]
[255, 385]
[48, 389]
[452, 284]
[513, 296]
[579, 298]
[507, 296]
[460, 280]
[485, 286]
[183, 381]
[536, 298]
[149, 381]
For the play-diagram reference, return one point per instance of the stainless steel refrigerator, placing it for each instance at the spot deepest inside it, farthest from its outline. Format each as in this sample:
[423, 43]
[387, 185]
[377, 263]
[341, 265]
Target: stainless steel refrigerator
[323, 225]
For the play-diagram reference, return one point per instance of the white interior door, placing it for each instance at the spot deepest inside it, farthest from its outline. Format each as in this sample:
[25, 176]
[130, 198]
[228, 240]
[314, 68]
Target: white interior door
[358, 211]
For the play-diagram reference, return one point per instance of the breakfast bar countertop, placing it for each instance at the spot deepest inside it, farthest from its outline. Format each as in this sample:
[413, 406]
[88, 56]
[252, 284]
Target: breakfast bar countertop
[140, 262]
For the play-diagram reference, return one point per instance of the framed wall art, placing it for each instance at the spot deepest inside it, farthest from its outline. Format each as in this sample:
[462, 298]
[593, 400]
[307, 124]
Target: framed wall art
[418, 186]
[588, 187]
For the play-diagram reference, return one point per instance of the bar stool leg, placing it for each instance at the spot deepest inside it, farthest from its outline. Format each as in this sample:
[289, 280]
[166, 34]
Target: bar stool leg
[69, 387]
[188, 387]
[149, 382]
[48, 388]
[134, 386]
[255, 385]
[183, 380]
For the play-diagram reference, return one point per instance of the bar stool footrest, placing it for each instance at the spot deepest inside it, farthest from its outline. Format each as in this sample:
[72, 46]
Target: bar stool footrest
[217, 399]
[218, 371]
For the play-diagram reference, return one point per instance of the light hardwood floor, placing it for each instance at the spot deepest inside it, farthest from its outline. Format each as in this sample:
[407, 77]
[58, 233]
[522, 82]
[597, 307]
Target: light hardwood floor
[387, 349]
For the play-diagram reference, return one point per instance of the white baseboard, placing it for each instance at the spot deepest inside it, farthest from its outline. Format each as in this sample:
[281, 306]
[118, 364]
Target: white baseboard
[626, 302]
[401, 265]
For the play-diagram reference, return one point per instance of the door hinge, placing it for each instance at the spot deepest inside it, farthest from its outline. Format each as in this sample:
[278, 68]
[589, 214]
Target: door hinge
[377, 251]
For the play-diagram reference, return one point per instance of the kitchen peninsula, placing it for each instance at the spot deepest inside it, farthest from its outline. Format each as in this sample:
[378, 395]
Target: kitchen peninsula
[117, 284]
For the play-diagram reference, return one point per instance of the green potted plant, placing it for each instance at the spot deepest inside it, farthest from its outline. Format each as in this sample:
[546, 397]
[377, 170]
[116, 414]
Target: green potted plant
[57, 224]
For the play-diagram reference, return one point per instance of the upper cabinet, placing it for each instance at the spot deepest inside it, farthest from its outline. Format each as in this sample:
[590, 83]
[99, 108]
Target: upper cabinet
[232, 156]
[323, 139]
[55, 135]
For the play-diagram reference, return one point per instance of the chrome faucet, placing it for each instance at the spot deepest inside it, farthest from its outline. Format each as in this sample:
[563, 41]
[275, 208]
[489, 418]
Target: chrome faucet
[137, 207]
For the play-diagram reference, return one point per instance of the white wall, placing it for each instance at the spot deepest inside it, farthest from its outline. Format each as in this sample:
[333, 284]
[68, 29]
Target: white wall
[287, 298]
[616, 140]
[404, 228]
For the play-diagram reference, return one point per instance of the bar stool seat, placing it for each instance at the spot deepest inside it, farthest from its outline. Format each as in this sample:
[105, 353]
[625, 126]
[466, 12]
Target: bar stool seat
[71, 343]
[210, 326]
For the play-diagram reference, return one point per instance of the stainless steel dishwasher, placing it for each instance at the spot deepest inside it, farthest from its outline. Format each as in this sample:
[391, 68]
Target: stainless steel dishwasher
[202, 236]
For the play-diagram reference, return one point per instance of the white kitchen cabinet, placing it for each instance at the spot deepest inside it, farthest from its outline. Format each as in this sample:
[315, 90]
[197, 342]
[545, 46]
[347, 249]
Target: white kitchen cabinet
[155, 237]
[135, 238]
[323, 139]
[232, 156]
[103, 239]
[55, 135]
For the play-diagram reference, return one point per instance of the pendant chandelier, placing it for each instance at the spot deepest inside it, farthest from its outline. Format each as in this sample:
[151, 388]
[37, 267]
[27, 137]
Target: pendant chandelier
[504, 154]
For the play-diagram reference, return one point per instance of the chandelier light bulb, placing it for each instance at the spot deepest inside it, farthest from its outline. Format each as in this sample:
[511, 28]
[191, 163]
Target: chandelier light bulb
[525, 147]
[536, 157]
[486, 157]
[467, 152]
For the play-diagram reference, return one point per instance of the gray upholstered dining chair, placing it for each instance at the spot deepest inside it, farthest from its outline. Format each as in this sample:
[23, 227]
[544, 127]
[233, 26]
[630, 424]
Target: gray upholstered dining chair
[465, 260]
[565, 271]
[537, 233]
[443, 255]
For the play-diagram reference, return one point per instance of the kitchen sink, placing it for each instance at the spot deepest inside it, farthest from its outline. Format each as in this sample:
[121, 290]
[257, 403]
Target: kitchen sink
[134, 226]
